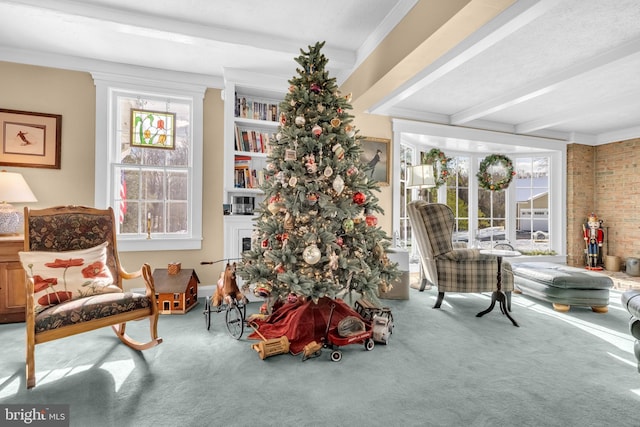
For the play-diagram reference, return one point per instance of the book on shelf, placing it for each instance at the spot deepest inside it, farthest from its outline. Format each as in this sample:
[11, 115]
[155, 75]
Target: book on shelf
[256, 108]
[245, 176]
[253, 141]
[248, 178]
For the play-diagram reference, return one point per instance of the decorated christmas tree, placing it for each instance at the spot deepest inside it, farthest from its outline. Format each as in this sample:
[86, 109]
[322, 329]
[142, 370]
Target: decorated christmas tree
[316, 234]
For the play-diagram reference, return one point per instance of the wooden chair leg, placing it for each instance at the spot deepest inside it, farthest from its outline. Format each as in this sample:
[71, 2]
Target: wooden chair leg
[31, 362]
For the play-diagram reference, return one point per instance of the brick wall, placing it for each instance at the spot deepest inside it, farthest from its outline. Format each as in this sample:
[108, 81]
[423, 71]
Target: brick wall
[604, 179]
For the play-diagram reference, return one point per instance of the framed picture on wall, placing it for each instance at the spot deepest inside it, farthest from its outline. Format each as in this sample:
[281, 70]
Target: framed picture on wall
[376, 153]
[153, 129]
[30, 139]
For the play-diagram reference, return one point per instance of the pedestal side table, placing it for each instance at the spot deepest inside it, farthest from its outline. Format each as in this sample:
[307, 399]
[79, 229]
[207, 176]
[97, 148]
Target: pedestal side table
[498, 294]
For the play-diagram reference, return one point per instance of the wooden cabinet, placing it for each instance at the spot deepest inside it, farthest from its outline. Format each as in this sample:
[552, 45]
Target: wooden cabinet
[12, 280]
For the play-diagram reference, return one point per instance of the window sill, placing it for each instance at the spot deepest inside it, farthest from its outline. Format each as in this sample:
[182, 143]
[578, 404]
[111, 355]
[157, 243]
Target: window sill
[159, 244]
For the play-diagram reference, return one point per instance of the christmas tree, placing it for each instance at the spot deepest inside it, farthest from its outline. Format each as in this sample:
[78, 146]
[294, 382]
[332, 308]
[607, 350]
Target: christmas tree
[316, 234]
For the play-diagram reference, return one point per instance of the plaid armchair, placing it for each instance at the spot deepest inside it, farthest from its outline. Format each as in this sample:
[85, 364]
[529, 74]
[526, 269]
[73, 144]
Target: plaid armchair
[452, 269]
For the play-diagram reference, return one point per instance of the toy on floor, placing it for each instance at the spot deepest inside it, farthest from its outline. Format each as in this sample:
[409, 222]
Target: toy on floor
[227, 287]
[593, 238]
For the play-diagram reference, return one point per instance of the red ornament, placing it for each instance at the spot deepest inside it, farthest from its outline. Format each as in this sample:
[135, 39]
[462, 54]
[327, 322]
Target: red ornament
[315, 88]
[371, 220]
[339, 241]
[359, 198]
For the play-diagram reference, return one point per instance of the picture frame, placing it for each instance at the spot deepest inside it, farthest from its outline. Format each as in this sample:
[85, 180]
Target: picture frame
[30, 139]
[378, 151]
[153, 129]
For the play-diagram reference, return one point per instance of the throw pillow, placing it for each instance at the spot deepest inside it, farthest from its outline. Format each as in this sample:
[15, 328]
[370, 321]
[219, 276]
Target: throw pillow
[62, 276]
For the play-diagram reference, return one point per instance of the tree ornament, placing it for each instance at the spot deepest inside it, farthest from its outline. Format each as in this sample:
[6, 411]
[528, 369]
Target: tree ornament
[352, 170]
[311, 165]
[320, 108]
[371, 220]
[339, 241]
[293, 181]
[263, 291]
[315, 88]
[316, 130]
[311, 254]
[338, 151]
[283, 119]
[333, 260]
[347, 225]
[300, 121]
[440, 164]
[485, 174]
[312, 198]
[350, 131]
[335, 122]
[359, 198]
[275, 204]
[338, 184]
[328, 171]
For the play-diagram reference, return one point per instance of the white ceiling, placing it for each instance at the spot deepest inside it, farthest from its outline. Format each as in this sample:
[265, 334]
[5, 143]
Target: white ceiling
[564, 69]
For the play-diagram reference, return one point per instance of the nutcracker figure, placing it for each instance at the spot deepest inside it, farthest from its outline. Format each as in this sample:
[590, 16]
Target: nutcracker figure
[593, 238]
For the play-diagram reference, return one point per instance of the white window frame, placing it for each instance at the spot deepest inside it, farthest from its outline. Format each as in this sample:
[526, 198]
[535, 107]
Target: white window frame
[528, 146]
[107, 148]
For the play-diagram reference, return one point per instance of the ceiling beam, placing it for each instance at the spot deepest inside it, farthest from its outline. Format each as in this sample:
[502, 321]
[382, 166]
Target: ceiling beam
[575, 113]
[487, 34]
[126, 21]
[545, 85]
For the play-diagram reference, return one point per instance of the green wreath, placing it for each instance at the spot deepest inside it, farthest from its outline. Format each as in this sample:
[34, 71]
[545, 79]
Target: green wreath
[434, 157]
[485, 180]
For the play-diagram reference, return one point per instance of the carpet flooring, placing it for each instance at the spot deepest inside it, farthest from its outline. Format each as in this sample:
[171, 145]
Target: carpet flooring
[440, 368]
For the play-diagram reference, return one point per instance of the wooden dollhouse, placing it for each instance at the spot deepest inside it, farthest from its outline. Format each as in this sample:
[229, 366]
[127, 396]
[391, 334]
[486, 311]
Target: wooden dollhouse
[176, 291]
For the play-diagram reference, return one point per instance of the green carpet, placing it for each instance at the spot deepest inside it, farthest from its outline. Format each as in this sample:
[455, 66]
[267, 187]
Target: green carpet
[441, 368]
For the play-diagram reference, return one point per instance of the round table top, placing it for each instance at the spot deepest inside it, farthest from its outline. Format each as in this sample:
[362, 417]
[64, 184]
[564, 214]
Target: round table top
[500, 252]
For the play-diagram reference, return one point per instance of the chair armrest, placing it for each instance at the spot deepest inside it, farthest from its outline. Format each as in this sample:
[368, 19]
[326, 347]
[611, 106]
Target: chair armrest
[460, 255]
[145, 273]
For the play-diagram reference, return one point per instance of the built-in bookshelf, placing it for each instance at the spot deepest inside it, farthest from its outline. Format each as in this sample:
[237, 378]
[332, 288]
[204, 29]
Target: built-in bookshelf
[251, 120]
[253, 124]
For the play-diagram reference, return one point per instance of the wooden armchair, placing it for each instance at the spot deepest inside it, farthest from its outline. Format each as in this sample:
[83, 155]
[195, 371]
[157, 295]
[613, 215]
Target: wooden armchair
[75, 279]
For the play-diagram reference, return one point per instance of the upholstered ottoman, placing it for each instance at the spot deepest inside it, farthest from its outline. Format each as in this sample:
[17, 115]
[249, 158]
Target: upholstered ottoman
[562, 285]
[631, 301]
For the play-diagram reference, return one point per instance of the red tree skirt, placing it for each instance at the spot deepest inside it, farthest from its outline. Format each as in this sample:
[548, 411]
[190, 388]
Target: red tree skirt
[303, 322]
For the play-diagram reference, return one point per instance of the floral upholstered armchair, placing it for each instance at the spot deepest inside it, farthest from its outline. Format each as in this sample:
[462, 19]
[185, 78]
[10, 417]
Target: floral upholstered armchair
[449, 268]
[75, 279]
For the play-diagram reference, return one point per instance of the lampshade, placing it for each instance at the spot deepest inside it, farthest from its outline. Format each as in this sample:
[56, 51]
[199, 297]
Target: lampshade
[421, 176]
[13, 188]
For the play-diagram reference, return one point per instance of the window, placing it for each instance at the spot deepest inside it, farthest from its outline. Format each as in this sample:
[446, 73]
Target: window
[529, 214]
[532, 203]
[155, 191]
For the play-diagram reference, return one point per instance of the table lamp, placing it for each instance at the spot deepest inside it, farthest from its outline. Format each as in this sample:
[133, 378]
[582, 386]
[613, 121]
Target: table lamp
[13, 189]
[421, 176]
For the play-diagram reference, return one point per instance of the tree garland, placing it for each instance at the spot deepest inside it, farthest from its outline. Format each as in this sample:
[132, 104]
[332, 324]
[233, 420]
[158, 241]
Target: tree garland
[485, 180]
[436, 156]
